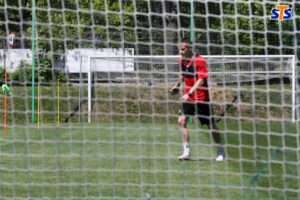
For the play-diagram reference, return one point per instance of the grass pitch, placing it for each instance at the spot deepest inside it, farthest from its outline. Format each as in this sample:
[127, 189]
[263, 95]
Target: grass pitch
[139, 161]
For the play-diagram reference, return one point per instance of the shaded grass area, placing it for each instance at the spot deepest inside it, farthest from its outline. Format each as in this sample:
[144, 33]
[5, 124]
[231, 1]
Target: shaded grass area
[129, 103]
[138, 160]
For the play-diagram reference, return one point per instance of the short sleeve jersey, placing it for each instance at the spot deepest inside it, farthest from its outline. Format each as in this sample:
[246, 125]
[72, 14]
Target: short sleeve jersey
[196, 69]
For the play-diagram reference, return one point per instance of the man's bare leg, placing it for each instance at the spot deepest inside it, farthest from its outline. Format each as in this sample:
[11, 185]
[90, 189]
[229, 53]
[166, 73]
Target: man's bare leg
[182, 122]
[217, 138]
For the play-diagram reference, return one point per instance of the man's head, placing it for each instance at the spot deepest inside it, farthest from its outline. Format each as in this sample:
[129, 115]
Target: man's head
[185, 48]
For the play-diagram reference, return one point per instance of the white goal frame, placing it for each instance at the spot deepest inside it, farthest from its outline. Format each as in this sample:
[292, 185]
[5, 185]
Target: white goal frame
[292, 72]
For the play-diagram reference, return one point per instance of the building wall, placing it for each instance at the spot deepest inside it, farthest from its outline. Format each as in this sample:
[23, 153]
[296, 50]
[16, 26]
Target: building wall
[14, 58]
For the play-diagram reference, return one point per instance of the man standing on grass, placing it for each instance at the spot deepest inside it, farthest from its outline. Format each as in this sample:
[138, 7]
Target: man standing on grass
[195, 99]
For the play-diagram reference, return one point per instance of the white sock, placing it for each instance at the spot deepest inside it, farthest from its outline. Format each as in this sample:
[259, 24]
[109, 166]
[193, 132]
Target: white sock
[186, 147]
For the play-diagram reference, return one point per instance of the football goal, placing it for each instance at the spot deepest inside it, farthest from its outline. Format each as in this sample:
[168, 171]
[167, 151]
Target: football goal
[241, 76]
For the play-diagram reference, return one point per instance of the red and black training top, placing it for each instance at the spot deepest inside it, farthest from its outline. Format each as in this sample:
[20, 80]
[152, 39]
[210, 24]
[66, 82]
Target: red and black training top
[196, 69]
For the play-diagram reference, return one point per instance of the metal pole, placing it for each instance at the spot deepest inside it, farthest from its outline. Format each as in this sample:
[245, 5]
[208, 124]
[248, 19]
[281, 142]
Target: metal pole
[5, 93]
[89, 90]
[58, 108]
[192, 25]
[80, 93]
[33, 60]
[294, 110]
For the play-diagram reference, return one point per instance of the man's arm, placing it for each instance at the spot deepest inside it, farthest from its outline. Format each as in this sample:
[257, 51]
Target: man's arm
[198, 84]
[175, 88]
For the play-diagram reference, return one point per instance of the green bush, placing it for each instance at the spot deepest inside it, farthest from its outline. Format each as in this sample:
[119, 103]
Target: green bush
[24, 73]
[2, 74]
[43, 73]
[47, 72]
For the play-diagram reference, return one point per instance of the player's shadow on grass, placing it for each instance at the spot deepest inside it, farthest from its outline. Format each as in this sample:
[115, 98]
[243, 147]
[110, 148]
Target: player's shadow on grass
[198, 159]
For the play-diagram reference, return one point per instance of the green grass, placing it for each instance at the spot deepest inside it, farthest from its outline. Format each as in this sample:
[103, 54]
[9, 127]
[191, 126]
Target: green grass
[131, 150]
[131, 103]
[130, 161]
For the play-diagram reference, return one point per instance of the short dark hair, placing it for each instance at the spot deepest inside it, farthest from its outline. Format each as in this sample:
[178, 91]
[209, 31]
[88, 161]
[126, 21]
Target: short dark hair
[186, 40]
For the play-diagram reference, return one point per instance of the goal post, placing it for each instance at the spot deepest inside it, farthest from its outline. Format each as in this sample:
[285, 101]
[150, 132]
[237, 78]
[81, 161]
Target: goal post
[223, 69]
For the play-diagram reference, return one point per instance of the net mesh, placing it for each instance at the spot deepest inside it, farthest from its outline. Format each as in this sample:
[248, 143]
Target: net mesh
[228, 69]
[233, 80]
[108, 62]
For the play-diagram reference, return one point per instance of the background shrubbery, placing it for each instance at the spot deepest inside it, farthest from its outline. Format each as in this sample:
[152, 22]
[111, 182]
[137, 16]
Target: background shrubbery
[43, 74]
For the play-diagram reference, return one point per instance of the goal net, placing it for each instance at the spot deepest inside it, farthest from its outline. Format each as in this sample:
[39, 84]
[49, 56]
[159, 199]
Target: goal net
[86, 113]
[230, 75]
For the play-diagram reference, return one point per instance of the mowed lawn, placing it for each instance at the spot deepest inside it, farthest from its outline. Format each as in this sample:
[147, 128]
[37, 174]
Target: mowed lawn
[139, 161]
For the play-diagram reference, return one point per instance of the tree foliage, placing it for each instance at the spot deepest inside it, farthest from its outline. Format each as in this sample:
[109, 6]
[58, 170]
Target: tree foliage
[220, 27]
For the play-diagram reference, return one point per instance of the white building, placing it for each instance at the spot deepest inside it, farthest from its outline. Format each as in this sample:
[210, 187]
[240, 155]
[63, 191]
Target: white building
[14, 58]
[76, 60]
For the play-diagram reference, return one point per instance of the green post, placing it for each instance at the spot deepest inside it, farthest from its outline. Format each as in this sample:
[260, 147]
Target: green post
[33, 59]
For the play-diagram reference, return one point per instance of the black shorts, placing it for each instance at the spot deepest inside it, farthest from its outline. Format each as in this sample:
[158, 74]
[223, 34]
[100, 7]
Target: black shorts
[201, 109]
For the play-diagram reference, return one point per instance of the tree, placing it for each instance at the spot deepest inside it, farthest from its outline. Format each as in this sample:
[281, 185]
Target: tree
[106, 23]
